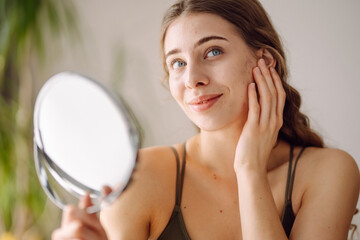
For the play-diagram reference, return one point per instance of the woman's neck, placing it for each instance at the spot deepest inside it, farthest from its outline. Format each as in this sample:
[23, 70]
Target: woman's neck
[215, 150]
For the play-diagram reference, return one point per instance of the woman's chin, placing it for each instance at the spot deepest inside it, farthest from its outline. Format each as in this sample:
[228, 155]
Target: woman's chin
[209, 126]
[213, 125]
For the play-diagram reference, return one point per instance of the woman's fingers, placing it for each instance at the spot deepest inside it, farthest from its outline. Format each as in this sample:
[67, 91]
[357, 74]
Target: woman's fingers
[74, 230]
[267, 76]
[271, 94]
[254, 107]
[74, 214]
[281, 95]
[85, 202]
[77, 223]
[106, 190]
[265, 99]
[270, 83]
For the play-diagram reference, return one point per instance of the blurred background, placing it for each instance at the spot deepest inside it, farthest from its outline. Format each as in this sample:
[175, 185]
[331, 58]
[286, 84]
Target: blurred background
[117, 43]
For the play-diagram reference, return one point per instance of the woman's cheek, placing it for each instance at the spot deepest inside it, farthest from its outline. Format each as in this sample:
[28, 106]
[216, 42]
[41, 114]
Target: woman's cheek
[176, 90]
[247, 70]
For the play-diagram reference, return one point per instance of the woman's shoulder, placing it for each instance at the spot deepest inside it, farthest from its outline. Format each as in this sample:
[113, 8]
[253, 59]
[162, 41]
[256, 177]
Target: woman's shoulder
[329, 166]
[156, 154]
[328, 183]
[154, 160]
[152, 185]
[330, 158]
[154, 172]
[155, 165]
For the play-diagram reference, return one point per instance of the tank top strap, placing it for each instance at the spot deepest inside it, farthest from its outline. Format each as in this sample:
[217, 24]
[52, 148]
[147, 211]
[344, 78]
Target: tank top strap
[291, 173]
[182, 172]
[179, 175]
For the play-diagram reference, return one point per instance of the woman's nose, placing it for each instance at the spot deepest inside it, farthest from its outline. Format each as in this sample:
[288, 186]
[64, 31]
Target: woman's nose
[196, 77]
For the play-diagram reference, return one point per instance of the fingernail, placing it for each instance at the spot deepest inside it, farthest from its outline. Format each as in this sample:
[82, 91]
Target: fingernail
[262, 62]
[257, 70]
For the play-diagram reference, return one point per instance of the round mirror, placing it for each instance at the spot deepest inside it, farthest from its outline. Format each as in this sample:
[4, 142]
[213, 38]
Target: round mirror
[85, 141]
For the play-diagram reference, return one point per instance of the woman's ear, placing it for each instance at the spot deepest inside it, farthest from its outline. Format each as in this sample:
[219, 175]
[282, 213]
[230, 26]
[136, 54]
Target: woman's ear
[267, 56]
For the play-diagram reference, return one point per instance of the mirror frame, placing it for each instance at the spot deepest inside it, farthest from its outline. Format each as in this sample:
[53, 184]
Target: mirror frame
[63, 179]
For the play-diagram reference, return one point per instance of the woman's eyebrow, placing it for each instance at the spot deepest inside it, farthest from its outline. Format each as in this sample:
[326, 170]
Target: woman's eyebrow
[207, 39]
[197, 44]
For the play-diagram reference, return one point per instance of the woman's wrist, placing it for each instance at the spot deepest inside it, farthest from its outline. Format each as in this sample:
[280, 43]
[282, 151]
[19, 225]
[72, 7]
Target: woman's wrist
[249, 167]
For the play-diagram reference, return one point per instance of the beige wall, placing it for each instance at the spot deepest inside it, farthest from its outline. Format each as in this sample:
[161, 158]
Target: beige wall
[321, 38]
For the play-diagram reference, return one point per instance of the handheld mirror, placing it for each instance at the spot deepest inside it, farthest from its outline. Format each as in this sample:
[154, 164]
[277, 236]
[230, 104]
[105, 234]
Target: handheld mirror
[85, 140]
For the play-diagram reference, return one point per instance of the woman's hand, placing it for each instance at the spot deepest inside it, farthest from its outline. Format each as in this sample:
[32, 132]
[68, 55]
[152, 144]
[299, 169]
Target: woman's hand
[78, 224]
[265, 118]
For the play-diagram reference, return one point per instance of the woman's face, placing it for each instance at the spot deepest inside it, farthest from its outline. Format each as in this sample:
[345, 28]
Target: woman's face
[210, 67]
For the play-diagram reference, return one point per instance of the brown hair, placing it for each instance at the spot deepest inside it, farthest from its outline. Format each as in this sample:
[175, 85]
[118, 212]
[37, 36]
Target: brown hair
[255, 27]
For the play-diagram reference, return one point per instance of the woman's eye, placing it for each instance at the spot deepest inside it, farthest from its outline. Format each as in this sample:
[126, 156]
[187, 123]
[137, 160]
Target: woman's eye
[178, 64]
[213, 53]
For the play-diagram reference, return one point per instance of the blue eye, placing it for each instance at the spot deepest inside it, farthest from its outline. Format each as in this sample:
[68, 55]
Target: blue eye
[178, 64]
[213, 53]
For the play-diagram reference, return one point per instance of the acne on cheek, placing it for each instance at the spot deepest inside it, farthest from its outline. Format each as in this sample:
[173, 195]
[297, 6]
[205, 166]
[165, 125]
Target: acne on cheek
[244, 108]
[245, 104]
[250, 64]
[245, 70]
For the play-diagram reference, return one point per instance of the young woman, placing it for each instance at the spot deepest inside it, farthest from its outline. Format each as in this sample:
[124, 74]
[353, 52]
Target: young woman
[235, 179]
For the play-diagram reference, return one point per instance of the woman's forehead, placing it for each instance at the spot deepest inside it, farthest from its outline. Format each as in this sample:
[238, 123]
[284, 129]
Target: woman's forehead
[188, 29]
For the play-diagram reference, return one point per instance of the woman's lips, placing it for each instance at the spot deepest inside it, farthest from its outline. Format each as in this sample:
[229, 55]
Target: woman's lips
[204, 102]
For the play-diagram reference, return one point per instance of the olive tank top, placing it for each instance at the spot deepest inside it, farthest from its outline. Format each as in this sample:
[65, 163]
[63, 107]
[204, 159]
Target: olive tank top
[176, 229]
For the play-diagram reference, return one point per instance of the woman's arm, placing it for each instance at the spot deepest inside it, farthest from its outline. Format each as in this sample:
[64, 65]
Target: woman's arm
[327, 205]
[76, 223]
[129, 216]
[258, 214]
[124, 219]
[330, 198]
